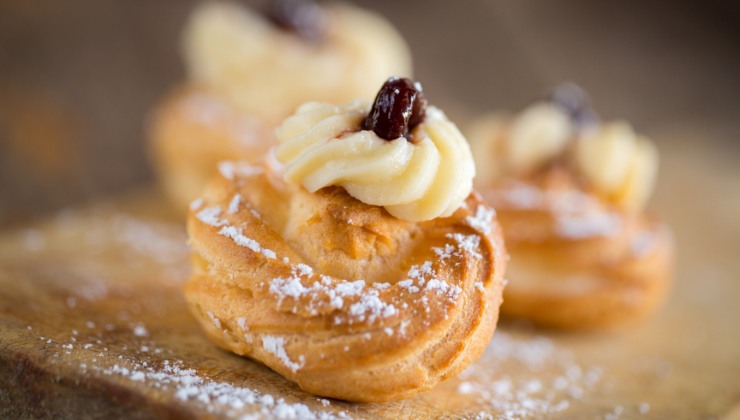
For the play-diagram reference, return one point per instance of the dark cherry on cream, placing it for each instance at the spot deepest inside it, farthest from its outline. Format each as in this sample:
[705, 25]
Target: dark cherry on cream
[572, 99]
[399, 107]
[303, 17]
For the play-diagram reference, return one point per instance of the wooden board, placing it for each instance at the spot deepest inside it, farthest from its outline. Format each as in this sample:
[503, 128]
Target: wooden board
[93, 324]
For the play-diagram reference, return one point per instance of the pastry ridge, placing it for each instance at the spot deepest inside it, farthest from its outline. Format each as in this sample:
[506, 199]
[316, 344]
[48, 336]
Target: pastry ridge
[613, 273]
[191, 130]
[337, 295]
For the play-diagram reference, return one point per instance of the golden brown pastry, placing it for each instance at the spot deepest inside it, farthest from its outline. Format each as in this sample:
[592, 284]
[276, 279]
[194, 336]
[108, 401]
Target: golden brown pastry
[193, 130]
[570, 194]
[336, 294]
[247, 71]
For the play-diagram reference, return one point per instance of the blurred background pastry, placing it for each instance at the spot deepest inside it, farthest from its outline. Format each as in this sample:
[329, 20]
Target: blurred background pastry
[571, 193]
[246, 70]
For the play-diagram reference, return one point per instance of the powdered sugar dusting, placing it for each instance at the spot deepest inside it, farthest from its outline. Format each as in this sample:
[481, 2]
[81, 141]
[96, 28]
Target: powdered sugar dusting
[350, 288]
[587, 225]
[543, 379]
[442, 287]
[482, 221]
[210, 395]
[577, 215]
[211, 216]
[140, 331]
[276, 346]
[230, 169]
[468, 243]
[369, 307]
[523, 197]
[151, 368]
[409, 285]
[424, 277]
[216, 322]
[196, 204]
[304, 270]
[242, 323]
[446, 252]
[237, 236]
[526, 197]
[234, 203]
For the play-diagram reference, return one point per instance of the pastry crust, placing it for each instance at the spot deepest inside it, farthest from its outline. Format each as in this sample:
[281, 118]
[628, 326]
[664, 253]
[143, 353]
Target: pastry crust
[194, 129]
[577, 262]
[276, 278]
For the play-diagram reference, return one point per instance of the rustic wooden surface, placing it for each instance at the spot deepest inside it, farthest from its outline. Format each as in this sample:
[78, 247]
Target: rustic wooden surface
[91, 315]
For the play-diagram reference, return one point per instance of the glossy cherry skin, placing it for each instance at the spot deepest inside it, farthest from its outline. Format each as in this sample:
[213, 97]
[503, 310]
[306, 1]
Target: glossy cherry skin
[399, 107]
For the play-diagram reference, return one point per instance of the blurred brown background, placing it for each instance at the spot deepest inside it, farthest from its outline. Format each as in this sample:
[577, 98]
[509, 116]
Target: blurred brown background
[79, 77]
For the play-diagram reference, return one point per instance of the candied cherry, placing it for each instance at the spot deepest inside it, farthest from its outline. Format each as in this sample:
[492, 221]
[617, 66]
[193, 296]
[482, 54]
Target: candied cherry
[572, 99]
[303, 17]
[399, 107]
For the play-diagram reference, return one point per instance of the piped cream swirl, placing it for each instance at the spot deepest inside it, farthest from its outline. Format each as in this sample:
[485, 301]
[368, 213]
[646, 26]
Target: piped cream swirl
[617, 163]
[268, 71]
[323, 145]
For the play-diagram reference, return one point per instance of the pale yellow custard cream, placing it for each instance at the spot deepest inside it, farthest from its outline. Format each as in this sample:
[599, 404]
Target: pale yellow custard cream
[269, 71]
[324, 144]
[616, 163]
